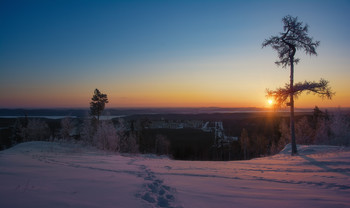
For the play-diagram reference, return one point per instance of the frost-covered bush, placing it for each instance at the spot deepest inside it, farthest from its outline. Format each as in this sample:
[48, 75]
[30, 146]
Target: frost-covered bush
[340, 129]
[87, 131]
[127, 140]
[322, 132]
[331, 129]
[67, 127]
[106, 136]
[128, 143]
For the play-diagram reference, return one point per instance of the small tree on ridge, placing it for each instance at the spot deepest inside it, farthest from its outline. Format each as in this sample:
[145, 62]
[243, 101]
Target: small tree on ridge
[97, 105]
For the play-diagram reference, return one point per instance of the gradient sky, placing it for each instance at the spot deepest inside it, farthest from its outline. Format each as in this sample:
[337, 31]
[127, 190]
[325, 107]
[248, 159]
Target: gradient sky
[164, 53]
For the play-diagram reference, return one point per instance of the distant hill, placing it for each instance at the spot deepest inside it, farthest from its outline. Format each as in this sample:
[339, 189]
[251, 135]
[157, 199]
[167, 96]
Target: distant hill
[80, 112]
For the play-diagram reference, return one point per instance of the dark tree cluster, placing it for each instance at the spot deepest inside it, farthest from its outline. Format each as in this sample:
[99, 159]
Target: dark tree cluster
[97, 104]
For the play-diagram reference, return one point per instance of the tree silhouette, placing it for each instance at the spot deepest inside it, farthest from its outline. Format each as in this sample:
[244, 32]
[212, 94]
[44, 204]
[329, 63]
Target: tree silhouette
[244, 142]
[294, 37]
[97, 105]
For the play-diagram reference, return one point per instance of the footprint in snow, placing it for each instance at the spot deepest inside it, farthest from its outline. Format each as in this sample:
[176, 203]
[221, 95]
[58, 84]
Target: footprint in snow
[156, 192]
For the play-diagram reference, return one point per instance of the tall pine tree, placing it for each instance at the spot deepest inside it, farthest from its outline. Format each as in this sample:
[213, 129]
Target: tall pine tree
[97, 104]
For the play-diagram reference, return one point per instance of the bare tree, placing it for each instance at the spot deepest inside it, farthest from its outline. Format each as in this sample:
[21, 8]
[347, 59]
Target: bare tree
[322, 131]
[294, 37]
[244, 142]
[97, 105]
[87, 131]
[340, 128]
[106, 136]
[66, 128]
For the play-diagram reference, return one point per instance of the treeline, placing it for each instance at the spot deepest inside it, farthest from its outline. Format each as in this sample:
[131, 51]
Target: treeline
[321, 128]
[14, 131]
[111, 135]
[118, 135]
[259, 134]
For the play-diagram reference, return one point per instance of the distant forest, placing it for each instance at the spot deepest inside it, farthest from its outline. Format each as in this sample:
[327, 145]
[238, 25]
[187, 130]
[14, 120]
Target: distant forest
[259, 133]
[82, 112]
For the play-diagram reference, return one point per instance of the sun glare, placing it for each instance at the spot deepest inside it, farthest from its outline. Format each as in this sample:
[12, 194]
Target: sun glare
[270, 102]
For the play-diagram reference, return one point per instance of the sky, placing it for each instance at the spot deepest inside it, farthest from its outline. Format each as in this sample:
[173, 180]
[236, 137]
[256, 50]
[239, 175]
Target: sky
[164, 53]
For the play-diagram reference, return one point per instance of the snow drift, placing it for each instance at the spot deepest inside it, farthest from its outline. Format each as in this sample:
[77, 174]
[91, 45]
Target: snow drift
[44, 174]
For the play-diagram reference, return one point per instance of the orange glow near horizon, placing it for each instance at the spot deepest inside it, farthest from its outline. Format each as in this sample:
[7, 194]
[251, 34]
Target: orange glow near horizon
[171, 54]
[163, 99]
[202, 86]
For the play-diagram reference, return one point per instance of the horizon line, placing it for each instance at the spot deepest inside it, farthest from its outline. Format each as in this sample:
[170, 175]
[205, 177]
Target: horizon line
[148, 107]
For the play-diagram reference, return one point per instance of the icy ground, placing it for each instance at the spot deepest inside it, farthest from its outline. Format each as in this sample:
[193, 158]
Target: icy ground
[42, 174]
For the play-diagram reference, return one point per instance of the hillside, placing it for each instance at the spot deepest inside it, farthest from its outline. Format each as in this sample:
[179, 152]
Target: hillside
[43, 174]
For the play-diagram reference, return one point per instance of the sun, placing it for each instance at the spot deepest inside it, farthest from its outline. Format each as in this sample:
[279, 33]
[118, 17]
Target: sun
[270, 101]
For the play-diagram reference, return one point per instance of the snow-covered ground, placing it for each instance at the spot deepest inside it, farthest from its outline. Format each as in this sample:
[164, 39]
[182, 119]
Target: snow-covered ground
[43, 174]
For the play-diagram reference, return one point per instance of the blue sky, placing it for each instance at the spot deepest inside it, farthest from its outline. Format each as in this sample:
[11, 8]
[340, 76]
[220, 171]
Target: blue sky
[162, 53]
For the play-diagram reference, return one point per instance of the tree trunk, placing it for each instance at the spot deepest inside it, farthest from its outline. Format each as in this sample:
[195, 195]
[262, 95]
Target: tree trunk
[98, 114]
[292, 120]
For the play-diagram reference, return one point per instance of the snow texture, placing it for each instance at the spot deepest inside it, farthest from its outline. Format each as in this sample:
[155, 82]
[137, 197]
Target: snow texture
[44, 174]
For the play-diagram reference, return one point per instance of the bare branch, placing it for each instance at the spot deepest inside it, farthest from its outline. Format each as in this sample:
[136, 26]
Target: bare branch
[294, 38]
[321, 88]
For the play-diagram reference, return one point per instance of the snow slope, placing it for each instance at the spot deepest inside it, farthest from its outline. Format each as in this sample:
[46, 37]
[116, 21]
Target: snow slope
[43, 174]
